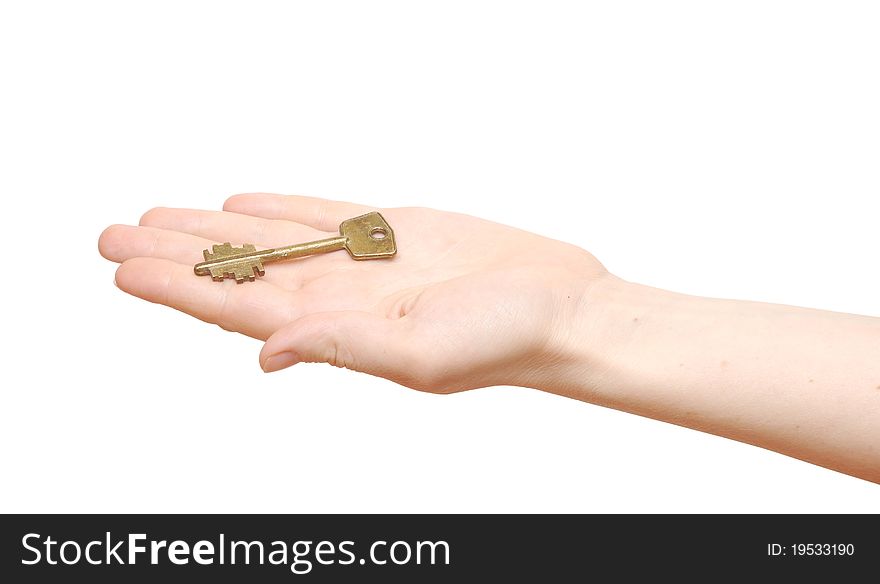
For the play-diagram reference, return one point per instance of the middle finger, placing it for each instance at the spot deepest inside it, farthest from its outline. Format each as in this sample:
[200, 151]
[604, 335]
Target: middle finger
[233, 227]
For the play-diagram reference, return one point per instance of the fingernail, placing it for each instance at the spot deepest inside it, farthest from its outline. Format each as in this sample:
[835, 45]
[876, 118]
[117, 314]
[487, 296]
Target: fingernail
[279, 361]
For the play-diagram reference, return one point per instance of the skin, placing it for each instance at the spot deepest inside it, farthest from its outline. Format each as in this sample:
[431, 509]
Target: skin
[477, 304]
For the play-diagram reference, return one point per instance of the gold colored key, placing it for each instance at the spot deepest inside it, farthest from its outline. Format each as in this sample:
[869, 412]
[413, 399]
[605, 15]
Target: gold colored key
[367, 237]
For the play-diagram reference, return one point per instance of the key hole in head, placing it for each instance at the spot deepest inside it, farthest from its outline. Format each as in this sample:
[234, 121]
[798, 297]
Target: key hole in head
[378, 233]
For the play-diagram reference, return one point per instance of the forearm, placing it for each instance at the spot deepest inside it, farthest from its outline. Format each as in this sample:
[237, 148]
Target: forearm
[802, 382]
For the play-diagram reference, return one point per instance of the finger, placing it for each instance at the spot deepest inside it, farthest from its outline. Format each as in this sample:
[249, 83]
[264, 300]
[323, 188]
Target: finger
[233, 227]
[256, 309]
[318, 213]
[361, 341]
[121, 242]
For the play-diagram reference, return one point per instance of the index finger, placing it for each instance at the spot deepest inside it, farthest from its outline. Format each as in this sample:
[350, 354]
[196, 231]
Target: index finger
[319, 213]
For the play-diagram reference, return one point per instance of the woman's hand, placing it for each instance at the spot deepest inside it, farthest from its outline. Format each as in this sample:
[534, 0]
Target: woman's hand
[465, 303]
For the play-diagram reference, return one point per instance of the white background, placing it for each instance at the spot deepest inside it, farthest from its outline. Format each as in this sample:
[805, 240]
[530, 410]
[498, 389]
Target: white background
[726, 148]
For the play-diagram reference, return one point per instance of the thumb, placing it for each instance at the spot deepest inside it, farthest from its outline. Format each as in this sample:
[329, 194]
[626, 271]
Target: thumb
[361, 341]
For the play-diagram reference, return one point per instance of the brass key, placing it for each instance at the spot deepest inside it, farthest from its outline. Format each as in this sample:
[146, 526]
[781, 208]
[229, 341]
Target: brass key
[367, 237]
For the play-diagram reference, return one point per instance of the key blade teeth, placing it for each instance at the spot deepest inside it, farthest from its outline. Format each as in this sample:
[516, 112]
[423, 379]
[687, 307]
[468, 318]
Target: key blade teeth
[240, 272]
[224, 261]
[218, 251]
[218, 274]
[250, 271]
[227, 250]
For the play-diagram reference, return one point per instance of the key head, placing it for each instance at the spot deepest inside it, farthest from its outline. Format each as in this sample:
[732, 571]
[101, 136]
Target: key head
[226, 261]
[368, 237]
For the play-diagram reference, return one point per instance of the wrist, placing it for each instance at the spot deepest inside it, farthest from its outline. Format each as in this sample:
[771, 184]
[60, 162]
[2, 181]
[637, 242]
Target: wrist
[596, 337]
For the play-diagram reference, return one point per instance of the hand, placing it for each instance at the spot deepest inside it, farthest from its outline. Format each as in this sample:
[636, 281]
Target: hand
[466, 303]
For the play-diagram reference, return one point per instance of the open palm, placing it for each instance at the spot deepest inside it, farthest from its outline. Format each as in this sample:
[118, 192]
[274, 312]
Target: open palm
[465, 303]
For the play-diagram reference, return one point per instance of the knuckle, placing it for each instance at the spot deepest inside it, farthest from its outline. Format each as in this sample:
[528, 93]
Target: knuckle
[320, 213]
[224, 317]
[339, 355]
[336, 348]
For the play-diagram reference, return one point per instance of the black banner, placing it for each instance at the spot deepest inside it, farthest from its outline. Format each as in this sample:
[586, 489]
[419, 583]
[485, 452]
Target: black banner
[419, 548]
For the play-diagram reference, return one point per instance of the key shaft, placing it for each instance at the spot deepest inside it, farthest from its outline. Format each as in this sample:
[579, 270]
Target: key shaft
[277, 254]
